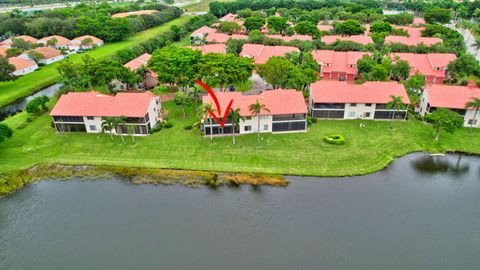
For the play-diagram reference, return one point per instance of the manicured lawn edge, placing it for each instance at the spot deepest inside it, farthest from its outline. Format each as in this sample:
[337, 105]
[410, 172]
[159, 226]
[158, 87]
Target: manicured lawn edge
[33, 82]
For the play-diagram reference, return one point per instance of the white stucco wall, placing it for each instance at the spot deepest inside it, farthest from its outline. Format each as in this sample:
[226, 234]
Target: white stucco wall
[253, 122]
[52, 60]
[423, 103]
[360, 110]
[25, 71]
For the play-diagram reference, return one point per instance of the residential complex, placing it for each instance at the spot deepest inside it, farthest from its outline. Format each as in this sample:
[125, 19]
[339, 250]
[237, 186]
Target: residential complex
[330, 99]
[432, 65]
[286, 111]
[452, 97]
[85, 111]
[338, 65]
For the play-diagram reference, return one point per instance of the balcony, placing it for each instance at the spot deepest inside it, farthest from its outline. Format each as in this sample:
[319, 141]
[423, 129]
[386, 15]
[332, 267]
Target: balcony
[289, 117]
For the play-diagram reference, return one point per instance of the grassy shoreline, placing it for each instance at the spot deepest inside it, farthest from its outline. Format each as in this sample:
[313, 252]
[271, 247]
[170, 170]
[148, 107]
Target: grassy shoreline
[33, 82]
[13, 181]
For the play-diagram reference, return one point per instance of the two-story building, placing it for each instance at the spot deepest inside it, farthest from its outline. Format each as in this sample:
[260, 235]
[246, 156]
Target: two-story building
[84, 43]
[331, 99]
[285, 111]
[85, 111]
[431, 65]
[338, 65]
[452, 97]
[50, 55]
[59, 42]
[22, 66]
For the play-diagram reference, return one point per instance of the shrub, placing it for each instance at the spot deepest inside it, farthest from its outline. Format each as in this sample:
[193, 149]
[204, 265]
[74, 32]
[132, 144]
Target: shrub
[334, 139]
[188, 127]
[156, 129]
[168, 125]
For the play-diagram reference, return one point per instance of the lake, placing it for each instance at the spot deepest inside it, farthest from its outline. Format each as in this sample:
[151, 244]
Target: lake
[422, 212]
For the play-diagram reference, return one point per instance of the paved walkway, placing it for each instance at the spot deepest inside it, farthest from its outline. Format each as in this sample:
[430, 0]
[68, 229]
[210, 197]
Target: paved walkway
[468, 38]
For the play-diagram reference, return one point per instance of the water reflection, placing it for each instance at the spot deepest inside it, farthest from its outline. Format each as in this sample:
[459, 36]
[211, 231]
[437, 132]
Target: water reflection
[430, 165]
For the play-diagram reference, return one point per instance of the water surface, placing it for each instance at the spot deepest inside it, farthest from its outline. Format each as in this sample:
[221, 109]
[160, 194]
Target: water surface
[420, 213]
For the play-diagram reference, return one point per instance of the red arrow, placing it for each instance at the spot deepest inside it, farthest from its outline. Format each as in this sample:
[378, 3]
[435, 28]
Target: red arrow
[217, 104]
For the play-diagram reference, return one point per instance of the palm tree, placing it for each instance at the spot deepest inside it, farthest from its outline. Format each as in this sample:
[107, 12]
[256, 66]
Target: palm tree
[195, 95]
[477, 46]
[119, 122]
[256, 109]
[236, 117]
[204, 113]
[108, 125]
[396, 104]
[131, 131]
[474, 104]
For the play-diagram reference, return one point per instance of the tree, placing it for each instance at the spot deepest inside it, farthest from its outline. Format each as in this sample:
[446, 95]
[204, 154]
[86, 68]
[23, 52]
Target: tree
[20, 44]
[235, 46]
[204, 113]
[349, 27]
[235, 117]
[400, 70]
[381, 27]
[11, 52]
[175, 65]
[403, 18]
[464, 66]
[437, 15]
[52, 42]
[306, 28]
[415, 83]
[395, 104]
[86, 42]
[182, 100]
[256, 109]
[229, 27]
[218, 69]
[195, 95]
[473, 104]
[279, 24]
[254, 23]
[5, 132]
[119, 122]
[131, 131]
[35, 56]
[102, 72]
[274, 71]
[70, 72]
[6, 69]
[217, 9]
[365, 64]
[445, 119]
[108, 124]
[37, 105]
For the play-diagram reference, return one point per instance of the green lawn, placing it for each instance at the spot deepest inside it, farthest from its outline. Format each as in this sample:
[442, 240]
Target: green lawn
[368, 149]
[47, 75]
[201, 6]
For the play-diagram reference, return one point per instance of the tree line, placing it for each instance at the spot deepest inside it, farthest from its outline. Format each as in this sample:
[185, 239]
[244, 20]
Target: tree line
[85, 19]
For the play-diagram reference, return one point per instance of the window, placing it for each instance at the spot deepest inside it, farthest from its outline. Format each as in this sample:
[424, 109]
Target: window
[367, 114]
[265, 127]
[368, 104]
[93, 127]
[264, 117]
[353, 105]
[89, 117]
[247, 128]
[351, 114]
[472, 122]
[248, 118]
[157, 102]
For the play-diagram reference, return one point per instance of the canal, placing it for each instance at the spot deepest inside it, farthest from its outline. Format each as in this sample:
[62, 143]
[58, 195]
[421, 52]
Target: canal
[422, 213]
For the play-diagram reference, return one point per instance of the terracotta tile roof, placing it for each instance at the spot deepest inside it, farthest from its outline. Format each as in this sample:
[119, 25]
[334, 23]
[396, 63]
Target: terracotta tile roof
[333, 61]
[25, 38]
[230, 17]
[132, 13]
[413, 41]
[222, 38]
[418, 20]
[142, 60]
[3, 51]
[333, 91]
[278, 101]
[426, 63]
[361, 39]
[450, 96]
[413, 32]
[324, 27]
[48, 52]
[61, 41]
[203, 30]
[97, 104]
[78, 40]
[21, 63]
[261, 53]
[290, 38]
[209, 48]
